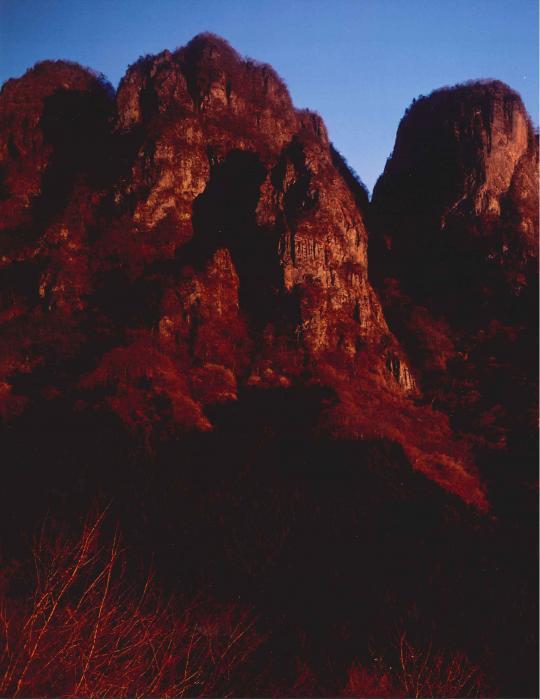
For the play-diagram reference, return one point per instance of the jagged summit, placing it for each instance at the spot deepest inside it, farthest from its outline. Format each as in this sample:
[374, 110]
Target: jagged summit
[481, 92]
[49, 72]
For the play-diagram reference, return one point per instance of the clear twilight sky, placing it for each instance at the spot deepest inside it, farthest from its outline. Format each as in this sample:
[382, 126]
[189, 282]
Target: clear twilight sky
[359, 63]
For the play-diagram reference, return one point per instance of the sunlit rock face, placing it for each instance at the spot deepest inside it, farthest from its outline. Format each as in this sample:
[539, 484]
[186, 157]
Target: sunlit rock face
[194, 237]
[226, 163]
[453, 254]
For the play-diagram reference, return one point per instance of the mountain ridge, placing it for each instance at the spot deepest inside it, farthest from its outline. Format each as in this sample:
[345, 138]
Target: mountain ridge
[207, 239]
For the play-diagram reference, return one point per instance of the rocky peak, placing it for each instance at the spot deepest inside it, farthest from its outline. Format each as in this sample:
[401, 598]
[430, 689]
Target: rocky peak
[208, 78]
[453, 254]
[210, 242]
[52, 119]
[462, 174]
[218, 77]
[471, 138]
[230, 160]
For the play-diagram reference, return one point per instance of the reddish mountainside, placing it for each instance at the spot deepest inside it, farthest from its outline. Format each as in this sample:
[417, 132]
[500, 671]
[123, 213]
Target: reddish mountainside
[195, 236]
[453, 252]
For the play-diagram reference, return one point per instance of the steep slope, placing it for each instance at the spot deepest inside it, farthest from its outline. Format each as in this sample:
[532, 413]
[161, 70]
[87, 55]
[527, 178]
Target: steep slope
[453, 252]
[192, 239]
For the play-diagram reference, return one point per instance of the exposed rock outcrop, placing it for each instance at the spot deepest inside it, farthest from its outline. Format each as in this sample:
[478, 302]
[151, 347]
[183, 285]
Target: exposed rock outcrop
[460, 190]
[226, 163]
[453, 253]
[195, 237]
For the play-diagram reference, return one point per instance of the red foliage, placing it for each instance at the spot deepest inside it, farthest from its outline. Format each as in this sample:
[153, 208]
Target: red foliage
[146, 389]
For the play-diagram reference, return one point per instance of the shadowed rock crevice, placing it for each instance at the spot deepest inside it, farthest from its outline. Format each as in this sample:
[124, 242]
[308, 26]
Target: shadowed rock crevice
[224, 215]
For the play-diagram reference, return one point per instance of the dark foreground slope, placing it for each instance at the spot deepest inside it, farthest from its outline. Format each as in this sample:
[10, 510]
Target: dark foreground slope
[190, 337]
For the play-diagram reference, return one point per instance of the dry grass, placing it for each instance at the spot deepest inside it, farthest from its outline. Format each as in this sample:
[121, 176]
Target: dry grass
[85, 631]
[417, 672]
[429, 673]
[77, 627]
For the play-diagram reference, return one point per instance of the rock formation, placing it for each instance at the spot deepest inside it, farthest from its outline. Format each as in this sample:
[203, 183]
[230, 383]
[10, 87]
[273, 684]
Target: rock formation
[190, 342]
[453, 252]
[461, 179]
[221, 196]
[194, 237]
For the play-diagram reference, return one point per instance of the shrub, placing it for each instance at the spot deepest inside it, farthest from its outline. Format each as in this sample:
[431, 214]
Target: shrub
[429, 673]
[418, 672]
[83, 630]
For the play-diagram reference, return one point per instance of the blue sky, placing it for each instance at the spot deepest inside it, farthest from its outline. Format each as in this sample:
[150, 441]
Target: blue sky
[359, 63]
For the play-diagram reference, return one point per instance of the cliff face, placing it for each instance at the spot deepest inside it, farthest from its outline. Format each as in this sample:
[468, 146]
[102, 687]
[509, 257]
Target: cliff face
[229, 174]
[460, 187]
[453, 252]
[204, 183]
[194, 237]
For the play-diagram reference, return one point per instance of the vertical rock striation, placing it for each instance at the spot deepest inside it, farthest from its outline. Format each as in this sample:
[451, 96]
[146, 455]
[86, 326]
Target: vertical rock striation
[189, 239]
[228, 167]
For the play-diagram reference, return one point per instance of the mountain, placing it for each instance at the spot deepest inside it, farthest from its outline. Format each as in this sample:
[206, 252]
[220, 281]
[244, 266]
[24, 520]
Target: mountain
[191, 238]
[454, 256]
[297, 405]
